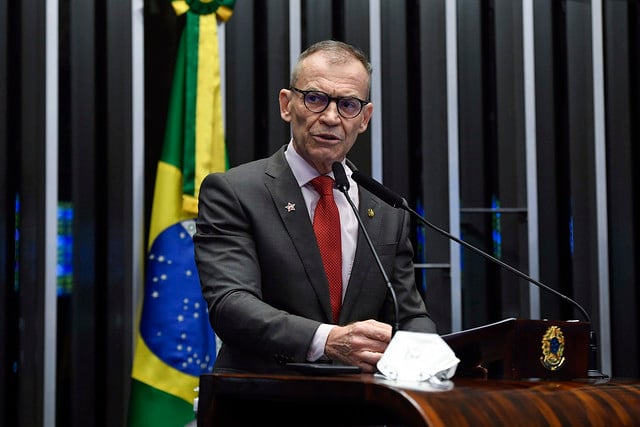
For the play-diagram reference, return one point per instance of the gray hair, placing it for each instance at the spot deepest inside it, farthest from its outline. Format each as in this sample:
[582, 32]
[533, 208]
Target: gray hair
[338, 53]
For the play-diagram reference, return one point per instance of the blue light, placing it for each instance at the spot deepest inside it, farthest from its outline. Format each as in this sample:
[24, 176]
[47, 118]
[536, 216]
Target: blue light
[65, 249]
[496, 232]
[421, 250]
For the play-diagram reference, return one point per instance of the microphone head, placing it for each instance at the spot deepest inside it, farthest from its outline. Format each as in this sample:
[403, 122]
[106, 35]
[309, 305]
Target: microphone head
[379, 190]
[342, 183]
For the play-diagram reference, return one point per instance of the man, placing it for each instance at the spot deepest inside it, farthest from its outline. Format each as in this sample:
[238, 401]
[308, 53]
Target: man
[260, 263]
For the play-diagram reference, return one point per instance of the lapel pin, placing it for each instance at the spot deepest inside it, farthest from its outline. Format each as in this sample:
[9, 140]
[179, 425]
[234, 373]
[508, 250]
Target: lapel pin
[290, 207]
[370, 213]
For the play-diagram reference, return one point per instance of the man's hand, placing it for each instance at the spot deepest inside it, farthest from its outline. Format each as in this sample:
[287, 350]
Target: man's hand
[359, 344]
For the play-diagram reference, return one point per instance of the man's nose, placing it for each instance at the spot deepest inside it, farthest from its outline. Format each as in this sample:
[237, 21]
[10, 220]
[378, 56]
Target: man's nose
[331, 114]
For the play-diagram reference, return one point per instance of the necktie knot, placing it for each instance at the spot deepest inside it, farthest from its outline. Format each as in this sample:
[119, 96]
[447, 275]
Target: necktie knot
[323, 185]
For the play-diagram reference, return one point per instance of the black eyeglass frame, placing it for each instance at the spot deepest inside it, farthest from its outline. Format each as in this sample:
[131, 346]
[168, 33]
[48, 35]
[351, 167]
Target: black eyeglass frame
[337, 100]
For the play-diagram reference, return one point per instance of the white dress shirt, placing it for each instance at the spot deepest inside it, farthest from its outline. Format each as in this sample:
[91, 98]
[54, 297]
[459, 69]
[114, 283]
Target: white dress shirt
[304, 173]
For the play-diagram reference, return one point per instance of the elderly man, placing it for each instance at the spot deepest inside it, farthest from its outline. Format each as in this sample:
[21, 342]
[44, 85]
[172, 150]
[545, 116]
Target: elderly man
[285, 271]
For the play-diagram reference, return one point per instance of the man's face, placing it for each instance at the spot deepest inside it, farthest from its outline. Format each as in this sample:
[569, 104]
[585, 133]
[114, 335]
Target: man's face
[326, 137]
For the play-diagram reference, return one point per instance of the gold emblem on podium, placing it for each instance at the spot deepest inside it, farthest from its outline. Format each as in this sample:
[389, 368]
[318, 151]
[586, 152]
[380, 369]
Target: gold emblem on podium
[553, 349]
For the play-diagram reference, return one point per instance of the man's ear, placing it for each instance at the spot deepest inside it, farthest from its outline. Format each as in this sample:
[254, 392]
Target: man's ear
[367, 112]
[284, 98]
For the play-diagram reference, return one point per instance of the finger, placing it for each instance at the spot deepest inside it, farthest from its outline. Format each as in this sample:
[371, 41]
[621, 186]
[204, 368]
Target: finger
[370, 357]
[368, 369]
[368, 360]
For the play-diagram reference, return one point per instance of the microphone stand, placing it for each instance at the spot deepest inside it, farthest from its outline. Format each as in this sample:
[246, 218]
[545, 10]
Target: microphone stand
[342, 184]
[399, 202]
[593, 371]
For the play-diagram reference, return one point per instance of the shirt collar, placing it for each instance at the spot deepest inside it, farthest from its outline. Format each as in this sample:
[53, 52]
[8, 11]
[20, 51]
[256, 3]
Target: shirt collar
[302, 171]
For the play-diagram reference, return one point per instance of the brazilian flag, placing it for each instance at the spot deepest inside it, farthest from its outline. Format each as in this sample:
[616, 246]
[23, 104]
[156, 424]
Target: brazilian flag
[175, 343]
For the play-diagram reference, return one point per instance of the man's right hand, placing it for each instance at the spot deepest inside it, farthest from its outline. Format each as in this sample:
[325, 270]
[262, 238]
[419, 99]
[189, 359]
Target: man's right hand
[360, 344]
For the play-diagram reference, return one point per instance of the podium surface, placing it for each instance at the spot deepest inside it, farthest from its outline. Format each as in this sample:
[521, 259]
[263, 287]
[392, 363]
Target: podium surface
[363, 399]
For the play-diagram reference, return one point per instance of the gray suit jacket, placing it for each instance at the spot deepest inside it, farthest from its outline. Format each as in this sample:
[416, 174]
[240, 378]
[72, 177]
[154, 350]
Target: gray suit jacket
[262, 275]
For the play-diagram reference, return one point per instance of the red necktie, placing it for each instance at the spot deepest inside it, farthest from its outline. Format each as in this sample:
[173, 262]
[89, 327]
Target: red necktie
[326, 224]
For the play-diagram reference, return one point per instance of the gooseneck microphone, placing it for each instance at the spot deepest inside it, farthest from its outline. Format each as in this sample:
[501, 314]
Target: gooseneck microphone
[342, 184]
[397, 201]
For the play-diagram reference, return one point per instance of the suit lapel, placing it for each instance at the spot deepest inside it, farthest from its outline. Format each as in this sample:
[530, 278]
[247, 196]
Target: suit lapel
[290, 205]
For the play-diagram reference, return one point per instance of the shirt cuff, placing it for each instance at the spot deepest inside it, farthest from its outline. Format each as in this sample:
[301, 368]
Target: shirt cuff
[319, 341]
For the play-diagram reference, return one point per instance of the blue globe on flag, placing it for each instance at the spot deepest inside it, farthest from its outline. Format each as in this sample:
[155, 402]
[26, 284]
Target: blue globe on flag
[174, 322]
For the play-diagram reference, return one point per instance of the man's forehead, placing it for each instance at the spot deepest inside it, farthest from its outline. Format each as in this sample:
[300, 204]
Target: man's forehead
[325, 68]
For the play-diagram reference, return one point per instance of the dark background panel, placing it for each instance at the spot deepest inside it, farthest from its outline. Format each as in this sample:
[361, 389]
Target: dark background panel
[276, 63]
[89, 243]
[318, 21]
[243, 143]
[550, 114]
[161, 38]
[120, 254]
[510, 183]
[476, 122]
[356, 31]
[432, 179]
[621, 152]
[95, 148]
[30, 258]
[8, 322]
[581, 164]
[395, 115]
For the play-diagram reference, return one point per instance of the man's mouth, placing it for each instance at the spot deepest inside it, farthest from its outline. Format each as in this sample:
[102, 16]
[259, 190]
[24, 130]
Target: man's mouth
[327, 137]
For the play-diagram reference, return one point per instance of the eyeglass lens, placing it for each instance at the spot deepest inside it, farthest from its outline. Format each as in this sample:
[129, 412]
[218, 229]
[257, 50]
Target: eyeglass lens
[317, 102]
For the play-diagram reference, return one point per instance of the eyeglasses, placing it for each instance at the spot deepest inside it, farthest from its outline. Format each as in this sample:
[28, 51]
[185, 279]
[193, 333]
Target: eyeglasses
[317, 102]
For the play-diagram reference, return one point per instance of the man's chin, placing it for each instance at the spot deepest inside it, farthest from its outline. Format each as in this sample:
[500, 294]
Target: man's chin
[325, 165]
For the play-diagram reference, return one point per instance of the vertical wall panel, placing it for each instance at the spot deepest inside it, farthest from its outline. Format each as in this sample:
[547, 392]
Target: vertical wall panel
[395, 131]
[510, 188]
[414, 132]
[51, 212]
[117, 139]
[550, 115]
[88, 244]
[531, 140]
[601, 293]
[356, 32]
[161, 43]
[31, 251]
[622, 160]
[317, 22]
[453, 154]
[276, 64]
[433, 172]
[241, 129]
[375, 43]
[8, 318]
[631, 364]
[581, 162]
[473, 114]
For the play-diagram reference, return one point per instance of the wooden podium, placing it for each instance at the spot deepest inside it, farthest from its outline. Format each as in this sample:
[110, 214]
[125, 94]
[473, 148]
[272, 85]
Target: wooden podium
[363, 400]
[534, 373]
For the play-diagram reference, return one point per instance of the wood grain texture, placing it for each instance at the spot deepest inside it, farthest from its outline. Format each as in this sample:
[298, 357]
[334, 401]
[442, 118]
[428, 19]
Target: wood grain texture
[236, 399]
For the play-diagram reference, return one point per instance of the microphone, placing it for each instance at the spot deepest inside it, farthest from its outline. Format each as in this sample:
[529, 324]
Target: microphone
[342, 184]
[395, 200]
